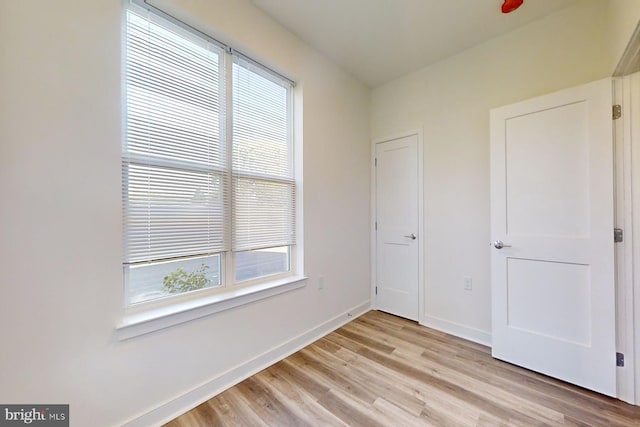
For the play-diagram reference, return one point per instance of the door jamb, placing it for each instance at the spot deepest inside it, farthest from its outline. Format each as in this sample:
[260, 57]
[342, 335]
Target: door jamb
[626, 92]
[634, 322]
[421, 241]
[627, 186]
[623, 214]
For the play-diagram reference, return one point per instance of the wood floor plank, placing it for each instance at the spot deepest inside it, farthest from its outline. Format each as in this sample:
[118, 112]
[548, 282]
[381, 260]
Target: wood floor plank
[335, 380]
[227, 405]
[397, 414]
[362, 376]
[445, 385]
[453, 411]
[264, 403]
[348, 409]
[495, 394]
[382, 370]
[304, 406]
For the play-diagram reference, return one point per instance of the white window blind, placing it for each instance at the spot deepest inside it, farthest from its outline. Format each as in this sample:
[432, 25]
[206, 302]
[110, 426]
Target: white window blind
[207, 162]
[175, 193]
[262, 162]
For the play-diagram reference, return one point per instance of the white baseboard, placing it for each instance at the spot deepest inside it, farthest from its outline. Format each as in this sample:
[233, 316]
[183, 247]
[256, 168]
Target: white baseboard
[461, 331]
[189, 400]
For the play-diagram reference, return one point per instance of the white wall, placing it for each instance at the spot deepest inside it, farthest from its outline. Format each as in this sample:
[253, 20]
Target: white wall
[451, 100]
[60, 213]
[623, 19]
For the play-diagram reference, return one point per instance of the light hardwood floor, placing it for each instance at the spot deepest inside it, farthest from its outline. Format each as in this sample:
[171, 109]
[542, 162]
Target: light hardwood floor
[381, 370]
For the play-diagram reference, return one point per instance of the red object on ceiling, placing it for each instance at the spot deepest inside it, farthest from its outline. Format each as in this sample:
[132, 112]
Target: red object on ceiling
[511, 5]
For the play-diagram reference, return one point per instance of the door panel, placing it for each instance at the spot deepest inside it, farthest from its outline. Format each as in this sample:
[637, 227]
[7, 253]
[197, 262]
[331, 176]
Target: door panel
[566, 315]
[553, 292]
[556, 202]
[397, 221]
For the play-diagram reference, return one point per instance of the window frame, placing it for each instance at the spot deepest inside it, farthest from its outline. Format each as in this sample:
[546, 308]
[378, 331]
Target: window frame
[146, 316]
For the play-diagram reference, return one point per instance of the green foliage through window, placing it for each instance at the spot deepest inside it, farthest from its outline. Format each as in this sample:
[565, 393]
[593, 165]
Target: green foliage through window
[180, 281]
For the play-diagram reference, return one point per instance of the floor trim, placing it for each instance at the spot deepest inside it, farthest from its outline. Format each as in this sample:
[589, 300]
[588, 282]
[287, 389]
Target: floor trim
[458, 330]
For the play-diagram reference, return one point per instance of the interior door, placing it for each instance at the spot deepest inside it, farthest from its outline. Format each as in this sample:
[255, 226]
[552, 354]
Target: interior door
[553, 294]
[397, 252]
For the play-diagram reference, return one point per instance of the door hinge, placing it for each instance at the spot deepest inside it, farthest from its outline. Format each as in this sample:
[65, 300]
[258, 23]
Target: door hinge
[618, 235]
[375, 162]
[376, 290]
[617, 111]
[376, 225]
[619, 360]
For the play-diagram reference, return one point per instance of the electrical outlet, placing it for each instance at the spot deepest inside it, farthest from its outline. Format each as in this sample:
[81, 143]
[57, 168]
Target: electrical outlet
[320, 283]
[468, 283]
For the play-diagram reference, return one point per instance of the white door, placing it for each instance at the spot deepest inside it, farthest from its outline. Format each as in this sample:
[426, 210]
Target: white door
[553, 294]
[397, 265]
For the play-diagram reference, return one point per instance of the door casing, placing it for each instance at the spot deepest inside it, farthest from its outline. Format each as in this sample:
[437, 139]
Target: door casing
[626, 92]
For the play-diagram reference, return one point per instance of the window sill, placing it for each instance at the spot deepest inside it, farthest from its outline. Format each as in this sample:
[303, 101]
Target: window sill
[157, 318]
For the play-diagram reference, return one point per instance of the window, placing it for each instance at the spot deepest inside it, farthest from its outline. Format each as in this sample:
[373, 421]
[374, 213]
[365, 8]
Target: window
[207, 163]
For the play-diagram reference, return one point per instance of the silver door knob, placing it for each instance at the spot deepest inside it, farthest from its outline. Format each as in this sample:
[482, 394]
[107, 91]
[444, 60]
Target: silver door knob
[499, 245]
[411, 236]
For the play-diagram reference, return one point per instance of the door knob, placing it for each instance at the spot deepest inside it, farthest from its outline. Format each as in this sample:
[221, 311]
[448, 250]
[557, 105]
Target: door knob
[411, 236]
[499, 245]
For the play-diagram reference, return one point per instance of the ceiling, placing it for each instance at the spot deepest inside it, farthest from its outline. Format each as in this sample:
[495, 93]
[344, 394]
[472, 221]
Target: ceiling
[380, 40]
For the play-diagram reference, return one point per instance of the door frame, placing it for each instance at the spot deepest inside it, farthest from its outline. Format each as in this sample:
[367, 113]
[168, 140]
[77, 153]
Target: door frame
[374, 267]
[627, 216]
[634, 140]
[627, 205]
